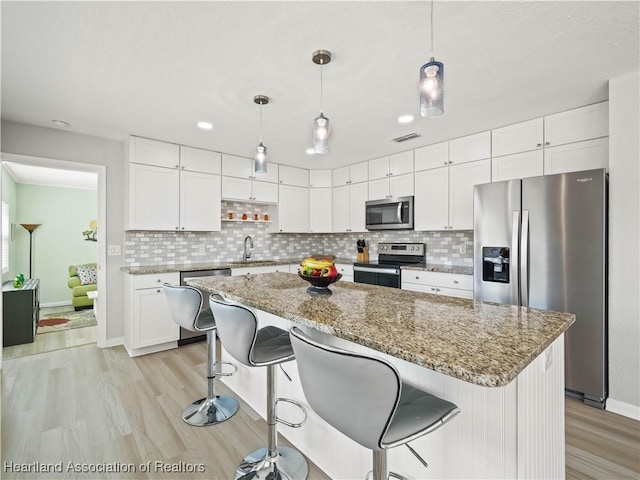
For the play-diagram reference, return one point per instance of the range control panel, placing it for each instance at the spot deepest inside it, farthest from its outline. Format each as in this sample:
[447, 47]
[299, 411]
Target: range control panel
[401, 248]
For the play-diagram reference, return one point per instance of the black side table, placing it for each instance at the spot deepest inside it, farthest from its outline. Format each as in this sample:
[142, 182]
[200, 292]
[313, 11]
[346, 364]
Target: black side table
[20, 312]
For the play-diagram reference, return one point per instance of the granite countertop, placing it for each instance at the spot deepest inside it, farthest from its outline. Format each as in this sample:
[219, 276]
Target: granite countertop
[194, 267]
[483, 343]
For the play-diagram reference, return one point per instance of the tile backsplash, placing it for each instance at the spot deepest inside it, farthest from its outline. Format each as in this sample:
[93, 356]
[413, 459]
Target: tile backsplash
[149, 248]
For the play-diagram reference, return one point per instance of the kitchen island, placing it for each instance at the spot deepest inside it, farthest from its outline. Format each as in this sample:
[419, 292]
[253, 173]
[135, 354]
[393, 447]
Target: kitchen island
[502, 365]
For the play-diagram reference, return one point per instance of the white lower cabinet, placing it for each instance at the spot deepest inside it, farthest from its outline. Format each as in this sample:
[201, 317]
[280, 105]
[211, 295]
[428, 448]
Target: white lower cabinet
[449, 284]
[149, 326]
[346, 269]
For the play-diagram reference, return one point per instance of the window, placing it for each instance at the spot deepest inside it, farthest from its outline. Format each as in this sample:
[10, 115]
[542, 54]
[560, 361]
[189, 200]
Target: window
[5, 237]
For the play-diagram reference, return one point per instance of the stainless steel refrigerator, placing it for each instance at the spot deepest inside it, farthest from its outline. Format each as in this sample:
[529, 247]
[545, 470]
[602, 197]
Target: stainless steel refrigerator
[541, 242]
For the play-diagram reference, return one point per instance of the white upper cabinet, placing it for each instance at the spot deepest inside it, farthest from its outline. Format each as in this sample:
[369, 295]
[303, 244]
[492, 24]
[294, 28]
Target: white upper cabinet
[293, 209]
[239, 167]
[521, 137]
[153, 152]
[462, 178]
[518, 165]
[395, 186]
[378, 168]
[319, 178]
[248, 190]
[397, 164]
[320, 210]
[348, 213]
[575, 125]
[298, 177]
[401, 163]
[199, 201]
[359, 172]
[198, 160]
[271, 175]
[574, 157]
[432, 156]
[470, 148]
[356, 173]
[154, 198]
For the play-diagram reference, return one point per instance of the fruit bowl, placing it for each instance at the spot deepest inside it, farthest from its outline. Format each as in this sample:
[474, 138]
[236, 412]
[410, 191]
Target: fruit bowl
[319, 284]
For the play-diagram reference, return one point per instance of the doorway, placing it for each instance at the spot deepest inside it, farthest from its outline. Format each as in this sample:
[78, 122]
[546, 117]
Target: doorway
[76, 190]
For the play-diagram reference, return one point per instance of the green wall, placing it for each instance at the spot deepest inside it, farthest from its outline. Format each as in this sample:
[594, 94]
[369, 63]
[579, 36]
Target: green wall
[64, 214]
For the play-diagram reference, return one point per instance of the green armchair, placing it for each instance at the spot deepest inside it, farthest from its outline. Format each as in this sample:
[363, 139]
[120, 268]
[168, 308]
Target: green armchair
[81, 284]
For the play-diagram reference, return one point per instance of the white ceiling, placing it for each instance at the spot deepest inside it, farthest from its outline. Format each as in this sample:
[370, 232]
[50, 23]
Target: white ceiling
[157, 68]
[50, 177]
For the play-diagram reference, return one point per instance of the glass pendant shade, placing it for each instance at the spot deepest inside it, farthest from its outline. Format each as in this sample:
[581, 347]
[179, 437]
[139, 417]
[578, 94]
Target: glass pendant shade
[432, 89]
[321, 134]
[260, 163]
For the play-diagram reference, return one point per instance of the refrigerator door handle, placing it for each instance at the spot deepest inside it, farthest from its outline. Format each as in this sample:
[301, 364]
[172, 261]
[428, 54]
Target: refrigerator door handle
[524, 259]
[515, 255]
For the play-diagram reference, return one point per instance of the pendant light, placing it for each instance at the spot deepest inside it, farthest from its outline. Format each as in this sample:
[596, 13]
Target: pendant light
[432, 84]
[321, 123]
[260, 163]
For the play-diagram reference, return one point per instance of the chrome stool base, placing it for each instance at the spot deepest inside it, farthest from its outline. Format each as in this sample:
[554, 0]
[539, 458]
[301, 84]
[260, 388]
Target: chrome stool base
[288, 465]
[210, 411]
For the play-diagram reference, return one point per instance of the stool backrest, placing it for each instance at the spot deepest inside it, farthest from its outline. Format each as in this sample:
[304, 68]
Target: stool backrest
[237, 328]
[185, 304]
[355, 393]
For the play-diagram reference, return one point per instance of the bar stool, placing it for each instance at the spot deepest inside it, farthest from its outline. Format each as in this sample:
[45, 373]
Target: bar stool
[185, 305]
[365, 398]
[268, 346]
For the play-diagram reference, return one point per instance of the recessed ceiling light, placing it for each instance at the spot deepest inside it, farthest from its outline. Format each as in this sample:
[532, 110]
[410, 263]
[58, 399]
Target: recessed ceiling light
[310, 151]
[405, 119]
[205, 125]
[60, 123]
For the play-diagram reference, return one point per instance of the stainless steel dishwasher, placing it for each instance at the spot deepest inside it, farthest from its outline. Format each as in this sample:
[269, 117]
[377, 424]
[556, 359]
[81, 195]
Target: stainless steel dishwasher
[187, 336]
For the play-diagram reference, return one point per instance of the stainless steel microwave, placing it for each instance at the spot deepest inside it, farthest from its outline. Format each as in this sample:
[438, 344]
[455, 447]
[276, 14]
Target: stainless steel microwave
[395, 213]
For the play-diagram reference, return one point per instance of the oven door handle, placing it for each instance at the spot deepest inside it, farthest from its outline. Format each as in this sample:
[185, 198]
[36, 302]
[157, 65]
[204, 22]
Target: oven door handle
[390, 271]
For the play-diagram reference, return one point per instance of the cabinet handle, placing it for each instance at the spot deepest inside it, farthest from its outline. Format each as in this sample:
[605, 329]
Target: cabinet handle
[546, 144]
[445, 163]
[182, 167]
[433, 289]
[456, 282]
[538, 145]
[182, 228]
[437, 289]
[450, 162]
[157, 291]
[159, 280]
[177, 166]
[417, 278]
[177, 228]
[280, 181]
[390, 173]
[280, 229]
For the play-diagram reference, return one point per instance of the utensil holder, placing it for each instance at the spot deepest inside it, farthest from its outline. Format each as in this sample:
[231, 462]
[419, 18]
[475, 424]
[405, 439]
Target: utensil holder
[363, 256]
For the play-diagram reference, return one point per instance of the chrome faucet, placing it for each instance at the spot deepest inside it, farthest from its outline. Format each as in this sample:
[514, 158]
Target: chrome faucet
[247, 255]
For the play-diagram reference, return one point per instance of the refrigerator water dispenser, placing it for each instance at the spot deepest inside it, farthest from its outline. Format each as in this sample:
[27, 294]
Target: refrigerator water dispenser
[495, 264]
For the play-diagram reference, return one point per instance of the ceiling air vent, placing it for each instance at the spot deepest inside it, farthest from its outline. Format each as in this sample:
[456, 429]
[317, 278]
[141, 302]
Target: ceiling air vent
[406, 137]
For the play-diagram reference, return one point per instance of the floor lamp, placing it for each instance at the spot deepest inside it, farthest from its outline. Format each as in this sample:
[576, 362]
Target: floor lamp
[30, 227]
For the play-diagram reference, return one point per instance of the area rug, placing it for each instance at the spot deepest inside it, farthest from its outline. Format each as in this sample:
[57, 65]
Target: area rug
[56, 322]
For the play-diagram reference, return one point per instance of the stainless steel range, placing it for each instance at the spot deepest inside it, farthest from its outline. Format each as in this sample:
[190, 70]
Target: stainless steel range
[386, 270]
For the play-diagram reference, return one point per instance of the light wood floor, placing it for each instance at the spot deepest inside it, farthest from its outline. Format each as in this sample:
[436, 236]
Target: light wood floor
[90, 405]
[47, 342]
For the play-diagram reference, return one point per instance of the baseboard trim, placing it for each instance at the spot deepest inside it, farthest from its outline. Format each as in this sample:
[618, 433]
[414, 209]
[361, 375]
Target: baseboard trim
[622, 408]
[55, 304]
[113, 342]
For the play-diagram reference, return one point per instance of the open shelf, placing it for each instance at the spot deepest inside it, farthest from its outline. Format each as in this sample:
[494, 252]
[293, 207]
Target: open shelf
[248, 220]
